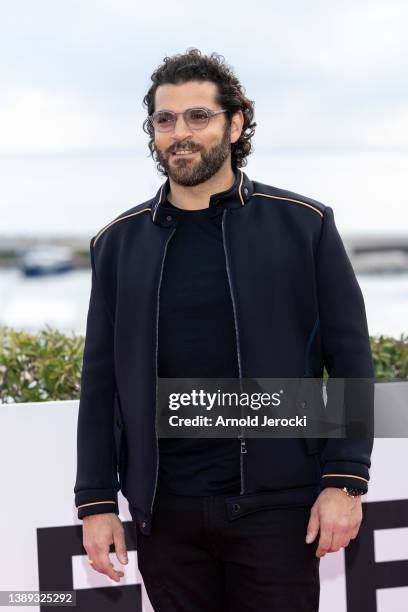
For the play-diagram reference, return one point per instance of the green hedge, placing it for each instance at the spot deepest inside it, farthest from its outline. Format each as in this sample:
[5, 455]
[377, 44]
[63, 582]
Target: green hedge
[39, 367]
[47, 365]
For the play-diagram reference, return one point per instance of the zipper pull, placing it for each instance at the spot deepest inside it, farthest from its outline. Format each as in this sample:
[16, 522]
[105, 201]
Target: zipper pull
[243, 446]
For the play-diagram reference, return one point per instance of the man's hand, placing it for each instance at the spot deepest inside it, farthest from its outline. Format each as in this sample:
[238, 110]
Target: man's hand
[99, 532]
[338, 516]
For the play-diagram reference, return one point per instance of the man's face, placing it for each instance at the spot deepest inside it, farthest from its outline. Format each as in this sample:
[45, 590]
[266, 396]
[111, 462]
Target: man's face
[211, 146]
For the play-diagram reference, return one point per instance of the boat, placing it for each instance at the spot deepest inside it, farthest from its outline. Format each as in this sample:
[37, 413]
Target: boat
[43, 259]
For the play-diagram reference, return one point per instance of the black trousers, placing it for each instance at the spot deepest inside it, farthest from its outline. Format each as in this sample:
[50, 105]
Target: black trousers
[197, 560]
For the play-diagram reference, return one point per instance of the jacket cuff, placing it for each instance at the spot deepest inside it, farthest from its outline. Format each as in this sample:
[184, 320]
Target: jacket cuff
[96, 501]
[345, 474]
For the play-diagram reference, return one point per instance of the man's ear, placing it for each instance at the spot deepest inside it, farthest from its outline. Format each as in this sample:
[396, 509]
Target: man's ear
[237, 123]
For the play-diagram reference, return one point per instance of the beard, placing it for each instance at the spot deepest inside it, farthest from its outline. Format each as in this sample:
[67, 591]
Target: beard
[190, 172]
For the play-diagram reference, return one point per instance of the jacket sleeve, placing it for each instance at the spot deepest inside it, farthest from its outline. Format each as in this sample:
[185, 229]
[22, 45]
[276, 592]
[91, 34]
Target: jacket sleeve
[347, 355]
[96, 483]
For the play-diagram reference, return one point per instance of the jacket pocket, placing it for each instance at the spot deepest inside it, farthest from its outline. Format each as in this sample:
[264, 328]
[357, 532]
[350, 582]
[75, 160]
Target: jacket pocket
[310, 402]
[118, 432]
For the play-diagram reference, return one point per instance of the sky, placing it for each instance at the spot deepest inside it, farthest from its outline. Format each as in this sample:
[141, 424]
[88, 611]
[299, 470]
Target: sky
[327, 79]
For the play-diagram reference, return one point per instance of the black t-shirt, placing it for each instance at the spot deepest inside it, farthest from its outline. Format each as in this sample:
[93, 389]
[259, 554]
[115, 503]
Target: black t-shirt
[197, 339]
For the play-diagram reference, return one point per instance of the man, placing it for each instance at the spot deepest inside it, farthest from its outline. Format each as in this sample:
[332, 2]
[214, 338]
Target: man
[217, 276]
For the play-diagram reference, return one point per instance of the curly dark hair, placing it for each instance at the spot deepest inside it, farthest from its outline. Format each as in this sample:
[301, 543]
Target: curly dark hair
[195, 66]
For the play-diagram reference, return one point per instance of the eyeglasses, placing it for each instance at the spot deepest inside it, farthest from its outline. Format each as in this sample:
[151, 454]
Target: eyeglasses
[196, 118]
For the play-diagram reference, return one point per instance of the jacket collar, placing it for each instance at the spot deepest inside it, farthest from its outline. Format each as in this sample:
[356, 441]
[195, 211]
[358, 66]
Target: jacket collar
[234, 197]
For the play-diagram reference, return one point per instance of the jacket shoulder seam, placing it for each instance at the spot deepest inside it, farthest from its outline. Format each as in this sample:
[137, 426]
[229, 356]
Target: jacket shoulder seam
[289, 197]
[122, 217]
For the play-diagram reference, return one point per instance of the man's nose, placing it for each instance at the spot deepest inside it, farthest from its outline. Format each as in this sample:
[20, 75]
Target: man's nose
[181, 129]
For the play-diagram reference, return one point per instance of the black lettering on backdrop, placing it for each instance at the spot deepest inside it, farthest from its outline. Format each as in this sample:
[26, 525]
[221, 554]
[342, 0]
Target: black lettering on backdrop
[56, 547]
[363, 574]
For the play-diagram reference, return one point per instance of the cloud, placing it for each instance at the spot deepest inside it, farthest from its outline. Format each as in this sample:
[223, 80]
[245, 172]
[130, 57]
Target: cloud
[321, 74]
[40, 121]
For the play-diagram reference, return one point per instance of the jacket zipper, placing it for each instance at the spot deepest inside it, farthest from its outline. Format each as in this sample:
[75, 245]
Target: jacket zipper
[243, 450]
[156, 367]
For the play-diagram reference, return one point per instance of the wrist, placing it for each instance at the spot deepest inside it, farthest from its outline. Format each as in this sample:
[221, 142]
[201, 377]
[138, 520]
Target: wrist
[353, 491]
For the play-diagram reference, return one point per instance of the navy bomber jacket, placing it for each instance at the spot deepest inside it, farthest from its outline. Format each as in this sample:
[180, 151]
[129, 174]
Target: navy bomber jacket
[297, 309]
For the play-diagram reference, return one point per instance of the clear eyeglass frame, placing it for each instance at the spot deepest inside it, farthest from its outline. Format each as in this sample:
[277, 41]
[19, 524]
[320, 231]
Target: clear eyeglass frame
[187, 116]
